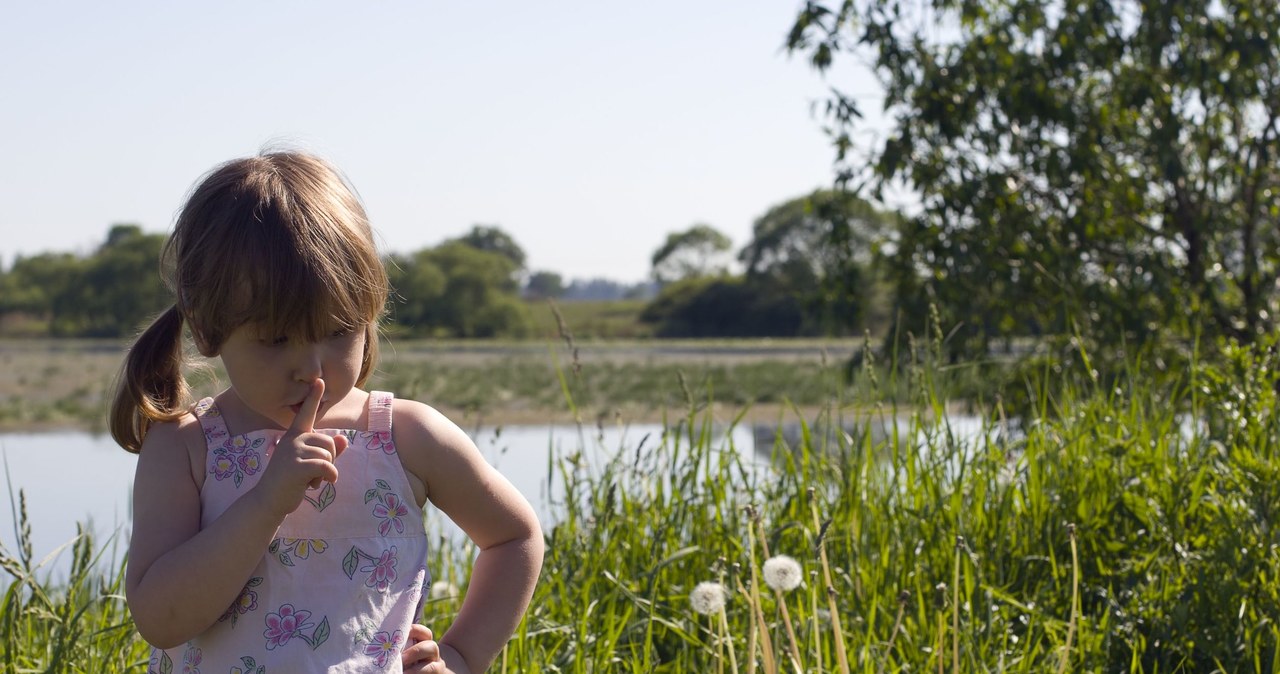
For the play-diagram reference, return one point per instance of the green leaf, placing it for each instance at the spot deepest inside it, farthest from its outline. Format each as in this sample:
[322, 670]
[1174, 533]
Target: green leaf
[382, 484]
[370, 495]
[326, 496]
[350, 562]
[321, 634]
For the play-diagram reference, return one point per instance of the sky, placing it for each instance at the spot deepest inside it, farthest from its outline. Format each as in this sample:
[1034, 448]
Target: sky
[588, 131]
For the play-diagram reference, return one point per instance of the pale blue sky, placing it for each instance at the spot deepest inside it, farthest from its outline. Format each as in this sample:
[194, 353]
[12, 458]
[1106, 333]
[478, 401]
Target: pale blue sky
[587, 130]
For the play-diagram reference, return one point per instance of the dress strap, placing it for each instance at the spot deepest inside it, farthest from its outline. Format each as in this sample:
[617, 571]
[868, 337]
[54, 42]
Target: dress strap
[380, 411]
[210, 417]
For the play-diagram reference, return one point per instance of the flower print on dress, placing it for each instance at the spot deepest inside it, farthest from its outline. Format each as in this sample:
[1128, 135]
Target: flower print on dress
[288, 622]
[251, 666]
[302, 548]
[381, 569]
[390, 509]
[213, 432]
[380, 440]
[382, 573]
[246, 602]
[191, 660]
[160, 663]
[382, 647]
[236, 458]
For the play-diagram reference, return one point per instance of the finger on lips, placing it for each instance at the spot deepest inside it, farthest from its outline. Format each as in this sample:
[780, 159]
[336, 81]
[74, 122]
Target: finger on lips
[305, 420]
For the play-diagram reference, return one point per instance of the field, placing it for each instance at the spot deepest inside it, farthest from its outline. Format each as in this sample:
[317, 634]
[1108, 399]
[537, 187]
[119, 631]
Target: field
[1126, 523]
[67, 383]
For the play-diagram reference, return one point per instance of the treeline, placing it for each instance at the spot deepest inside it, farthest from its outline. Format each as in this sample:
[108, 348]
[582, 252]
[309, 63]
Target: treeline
[785, 282]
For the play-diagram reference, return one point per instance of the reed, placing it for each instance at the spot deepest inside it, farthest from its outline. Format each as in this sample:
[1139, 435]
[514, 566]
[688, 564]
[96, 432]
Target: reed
[925, 547]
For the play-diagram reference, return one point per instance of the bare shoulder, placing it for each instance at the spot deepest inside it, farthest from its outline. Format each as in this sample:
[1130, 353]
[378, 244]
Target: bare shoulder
[175, 446]
[423, 431]
[459, 481]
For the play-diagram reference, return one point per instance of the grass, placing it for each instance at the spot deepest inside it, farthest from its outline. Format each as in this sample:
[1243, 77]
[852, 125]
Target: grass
[1126, 526]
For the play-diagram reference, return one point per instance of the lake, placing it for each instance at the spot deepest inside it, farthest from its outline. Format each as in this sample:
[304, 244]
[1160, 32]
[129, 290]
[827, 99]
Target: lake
[77, 477]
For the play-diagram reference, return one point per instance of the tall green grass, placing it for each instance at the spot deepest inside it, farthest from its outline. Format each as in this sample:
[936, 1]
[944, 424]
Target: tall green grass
[1127, 525]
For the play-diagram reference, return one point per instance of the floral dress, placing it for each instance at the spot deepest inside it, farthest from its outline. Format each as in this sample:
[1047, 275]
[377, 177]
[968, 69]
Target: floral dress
[338, 588]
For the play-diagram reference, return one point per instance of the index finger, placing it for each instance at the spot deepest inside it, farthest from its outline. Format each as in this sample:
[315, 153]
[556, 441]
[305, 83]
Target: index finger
[305, 420]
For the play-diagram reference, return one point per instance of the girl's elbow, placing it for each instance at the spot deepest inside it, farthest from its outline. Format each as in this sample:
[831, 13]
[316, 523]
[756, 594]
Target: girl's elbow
[157, 635]
[158, 630]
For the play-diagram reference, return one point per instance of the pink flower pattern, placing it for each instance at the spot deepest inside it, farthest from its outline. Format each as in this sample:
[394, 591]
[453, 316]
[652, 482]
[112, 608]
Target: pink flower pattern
[382, 572]
[382, 647]
[285, 625]
[191, 660]
[236, 458]
[246, 602]
[380, 440]
[390, 510]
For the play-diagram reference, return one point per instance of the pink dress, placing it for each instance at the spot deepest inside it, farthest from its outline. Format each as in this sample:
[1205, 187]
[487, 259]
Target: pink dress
[340, 585]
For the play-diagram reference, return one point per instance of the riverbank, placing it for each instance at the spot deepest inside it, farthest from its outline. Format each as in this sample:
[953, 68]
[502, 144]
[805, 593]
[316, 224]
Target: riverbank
[55, 384]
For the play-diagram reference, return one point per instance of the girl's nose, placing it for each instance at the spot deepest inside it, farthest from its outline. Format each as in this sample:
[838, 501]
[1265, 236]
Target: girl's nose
[309, 365]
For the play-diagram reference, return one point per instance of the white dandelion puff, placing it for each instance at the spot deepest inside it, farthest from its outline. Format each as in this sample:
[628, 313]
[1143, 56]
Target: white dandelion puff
[443, 589]
[782, 573]
[708, 597]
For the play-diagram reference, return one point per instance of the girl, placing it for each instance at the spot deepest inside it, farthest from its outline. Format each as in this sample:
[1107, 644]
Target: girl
[277, 525]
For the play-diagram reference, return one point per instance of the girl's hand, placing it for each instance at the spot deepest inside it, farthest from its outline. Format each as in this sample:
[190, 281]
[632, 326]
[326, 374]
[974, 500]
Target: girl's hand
[426, 656]
[302, 459]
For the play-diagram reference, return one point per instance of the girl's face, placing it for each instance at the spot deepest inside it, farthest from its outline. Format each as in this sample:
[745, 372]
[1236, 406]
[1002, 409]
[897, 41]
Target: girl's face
[271, 374]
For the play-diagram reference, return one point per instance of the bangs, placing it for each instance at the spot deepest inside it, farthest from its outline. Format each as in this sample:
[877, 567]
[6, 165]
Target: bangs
[290, 267]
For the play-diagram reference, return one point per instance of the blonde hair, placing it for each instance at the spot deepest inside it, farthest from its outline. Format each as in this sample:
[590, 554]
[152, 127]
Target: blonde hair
[280, 240]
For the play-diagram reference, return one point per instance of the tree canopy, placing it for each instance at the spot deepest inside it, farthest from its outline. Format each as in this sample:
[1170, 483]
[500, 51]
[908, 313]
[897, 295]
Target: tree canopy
[701, 250]
[1103, 166]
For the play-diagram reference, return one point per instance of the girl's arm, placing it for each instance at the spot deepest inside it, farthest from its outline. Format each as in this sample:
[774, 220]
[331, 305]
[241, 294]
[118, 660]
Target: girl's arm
[493, 513]
[181, 578]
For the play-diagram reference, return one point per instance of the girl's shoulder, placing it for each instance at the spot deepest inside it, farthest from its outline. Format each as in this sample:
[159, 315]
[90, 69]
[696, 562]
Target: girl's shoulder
[177, 445]
[429, 443]
[419, 423]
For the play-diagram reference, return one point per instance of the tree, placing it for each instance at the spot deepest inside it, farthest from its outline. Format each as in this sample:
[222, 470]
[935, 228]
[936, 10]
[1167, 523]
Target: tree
[109, 293]
[822, 249]
[1109, 166]
[725, 306]
[544, 285]
[493, 239]
[701, 250]
[458, 290]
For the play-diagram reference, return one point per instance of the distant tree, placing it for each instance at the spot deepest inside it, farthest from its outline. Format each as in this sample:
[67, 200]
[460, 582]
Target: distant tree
[725, 306]
[701, 250]
[121, 287]
[458, 290]
[109, 293]
[822, 249]
[1108, 166]
[494, 239]
[544, 285]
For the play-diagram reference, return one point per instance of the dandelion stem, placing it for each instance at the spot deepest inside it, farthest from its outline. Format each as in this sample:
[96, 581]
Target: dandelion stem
[766, 644]
[842, 657]
[724, 636]
[793, 642]
[1075, 599]
[955, 608]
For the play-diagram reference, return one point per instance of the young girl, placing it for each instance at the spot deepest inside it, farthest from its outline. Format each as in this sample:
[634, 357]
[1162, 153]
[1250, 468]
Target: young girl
[277, 525]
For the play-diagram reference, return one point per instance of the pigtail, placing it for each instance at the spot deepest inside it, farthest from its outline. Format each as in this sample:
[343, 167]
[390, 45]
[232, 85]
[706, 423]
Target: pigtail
[150, 386]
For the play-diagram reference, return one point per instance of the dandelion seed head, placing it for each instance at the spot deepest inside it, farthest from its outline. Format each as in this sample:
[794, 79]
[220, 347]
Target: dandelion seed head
[708, 597]
[443, 589]
[782, 573]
